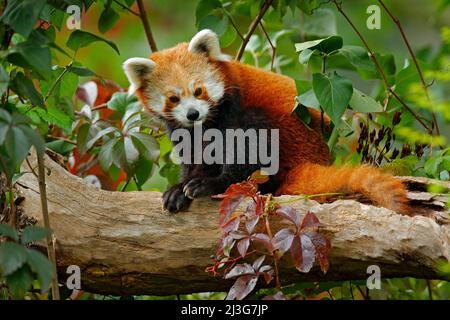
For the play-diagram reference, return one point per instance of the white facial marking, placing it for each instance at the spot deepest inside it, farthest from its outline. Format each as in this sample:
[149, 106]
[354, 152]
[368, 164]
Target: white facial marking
[185, 104]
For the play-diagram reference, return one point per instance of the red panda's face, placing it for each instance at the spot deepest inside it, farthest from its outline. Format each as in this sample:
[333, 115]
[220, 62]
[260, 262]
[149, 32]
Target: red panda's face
[180, 83]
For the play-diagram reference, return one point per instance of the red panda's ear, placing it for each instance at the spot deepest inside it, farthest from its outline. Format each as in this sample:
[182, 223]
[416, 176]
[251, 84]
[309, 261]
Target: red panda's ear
[137, 69]
[206, 41]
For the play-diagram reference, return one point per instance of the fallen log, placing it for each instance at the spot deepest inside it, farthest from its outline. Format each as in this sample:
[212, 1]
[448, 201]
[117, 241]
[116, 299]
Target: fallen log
[125, 244]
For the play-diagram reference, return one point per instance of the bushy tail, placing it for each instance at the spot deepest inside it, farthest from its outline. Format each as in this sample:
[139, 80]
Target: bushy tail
[380, 188]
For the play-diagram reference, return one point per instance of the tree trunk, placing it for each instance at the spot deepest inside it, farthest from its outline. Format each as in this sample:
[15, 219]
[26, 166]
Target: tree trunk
[125, 244]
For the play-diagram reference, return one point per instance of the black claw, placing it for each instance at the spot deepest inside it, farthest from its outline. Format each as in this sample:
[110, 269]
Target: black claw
[174, 200]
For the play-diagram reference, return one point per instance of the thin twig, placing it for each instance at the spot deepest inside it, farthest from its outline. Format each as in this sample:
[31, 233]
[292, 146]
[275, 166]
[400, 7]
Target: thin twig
[413, 56]
[57, 81]
[379, 68]
[430, 290]
[230, 18]
[148, 30]
[62, 139]
[274, 49]
[269, 233]
[252, 28]
[12, 206]
[127, 9]
[51, 253]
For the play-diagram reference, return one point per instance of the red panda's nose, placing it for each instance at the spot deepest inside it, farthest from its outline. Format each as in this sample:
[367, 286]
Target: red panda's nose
[192, 114]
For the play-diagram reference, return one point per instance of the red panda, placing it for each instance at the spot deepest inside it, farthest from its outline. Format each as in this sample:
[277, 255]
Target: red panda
[195, 81]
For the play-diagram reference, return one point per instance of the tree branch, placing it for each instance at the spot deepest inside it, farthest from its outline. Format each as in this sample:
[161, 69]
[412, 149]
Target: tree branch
[413, 56]
[148, 30]
[252, 28]
[379, 68]
[124, 244]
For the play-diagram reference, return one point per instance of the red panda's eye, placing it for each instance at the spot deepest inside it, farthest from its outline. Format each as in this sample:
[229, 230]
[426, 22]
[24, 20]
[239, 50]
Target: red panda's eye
[174, 99]
[198, 92]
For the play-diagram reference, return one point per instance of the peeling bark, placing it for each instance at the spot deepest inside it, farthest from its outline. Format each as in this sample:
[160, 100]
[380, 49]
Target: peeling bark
[125, 244]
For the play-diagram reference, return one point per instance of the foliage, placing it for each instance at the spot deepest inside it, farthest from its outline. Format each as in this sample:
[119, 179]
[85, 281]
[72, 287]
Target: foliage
[302, 239]
[50, 99]
[19, 265]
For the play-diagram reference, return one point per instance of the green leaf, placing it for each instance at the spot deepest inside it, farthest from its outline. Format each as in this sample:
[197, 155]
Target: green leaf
[305, 55]
[21, 15]
[105, 155]
[80, 39]
[100, 135]
[24, 87]
[40, 265]
[57, 117]
[33, 53]
[325, 45]
[12, 257]
[143, 170]
[146, 144]
[8, 231]
[33, 234]
[17, 145]
[309, 99]
[60, 147]
[358, 57]
[20, 282]
[82, 71]
[120, 101]
[307, 6]
[361, 102]
[302, 112]
[4, 80]
[217, 24]
[334, 93]
[108, 19]
[321, 24]
[204, 8]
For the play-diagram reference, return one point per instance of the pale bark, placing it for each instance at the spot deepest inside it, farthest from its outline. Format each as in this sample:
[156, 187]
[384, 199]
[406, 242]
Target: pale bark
[125, 244]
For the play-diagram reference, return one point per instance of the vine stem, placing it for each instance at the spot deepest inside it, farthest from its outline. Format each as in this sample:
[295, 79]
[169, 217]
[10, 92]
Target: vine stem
[12, 207]
[269, 233]
[378, 67]
[252, 28]
[272, 46]
[51, 252]
[126, 8]
[413, 56]
[58, 80]
[147, 29]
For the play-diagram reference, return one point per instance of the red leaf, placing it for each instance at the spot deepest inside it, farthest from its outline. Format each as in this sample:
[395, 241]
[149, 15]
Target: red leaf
[234, 195]
[290, 214]
[277, 296]
[308, 253]
[310, 220]
[240, 270]
[259, 177]
[322, 246]
[242, 287]
[238, 235]
[264, 239]
[268, 277]
[251, 223]
[258, 262]
[231, 225]
[282, 240]
[242, 246]
[228, 206]
[303, 253]
[260, 205]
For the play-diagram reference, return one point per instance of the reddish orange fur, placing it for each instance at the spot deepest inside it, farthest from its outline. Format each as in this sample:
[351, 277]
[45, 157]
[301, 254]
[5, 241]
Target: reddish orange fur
[304, 156]
[305, 160]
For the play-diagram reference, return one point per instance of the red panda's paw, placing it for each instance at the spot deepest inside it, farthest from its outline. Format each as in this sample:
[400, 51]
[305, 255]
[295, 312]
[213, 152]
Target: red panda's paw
[201, 187]
[174, 199]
